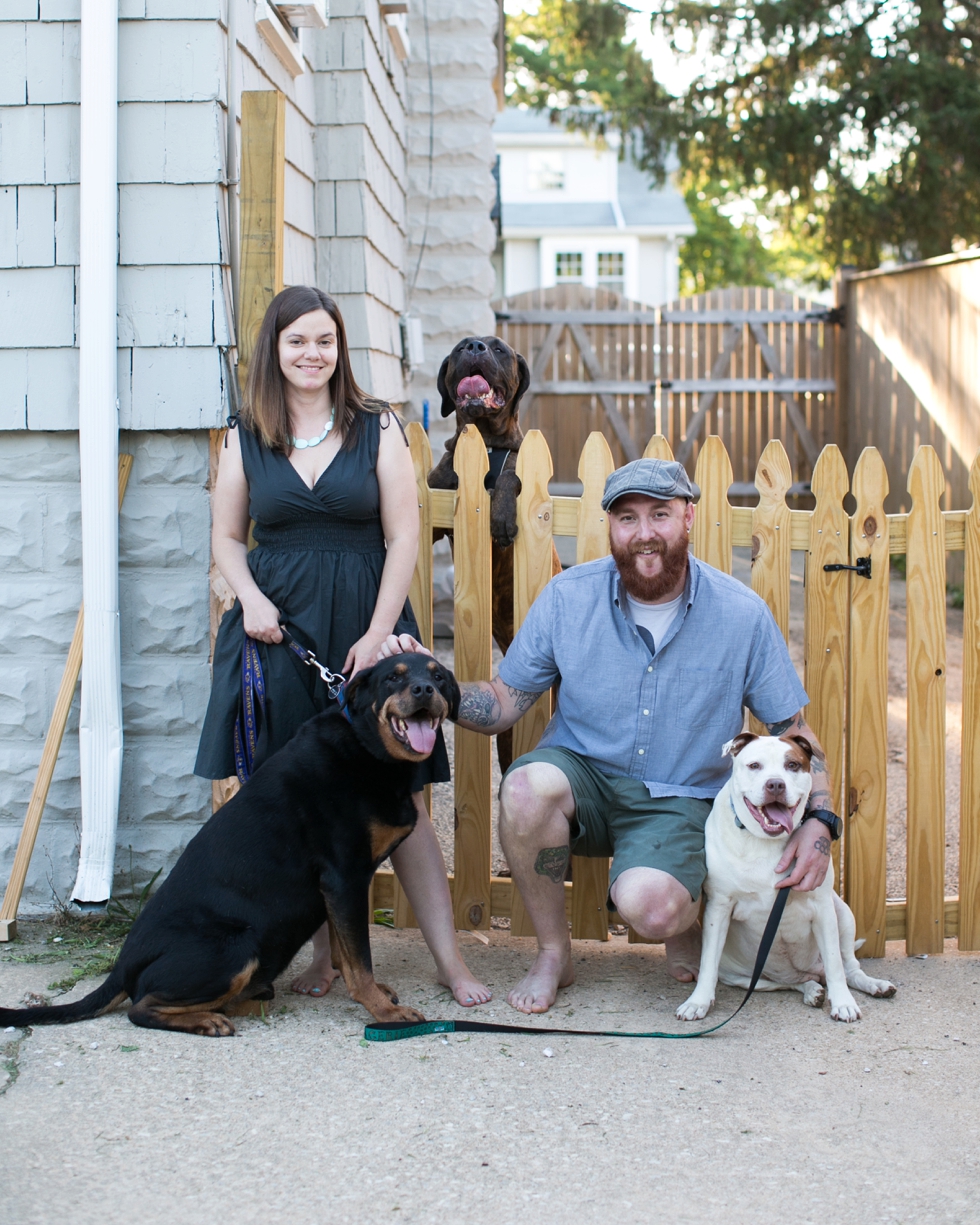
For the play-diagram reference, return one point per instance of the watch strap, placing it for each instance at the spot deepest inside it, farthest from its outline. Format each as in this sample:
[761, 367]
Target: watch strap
[832, 821]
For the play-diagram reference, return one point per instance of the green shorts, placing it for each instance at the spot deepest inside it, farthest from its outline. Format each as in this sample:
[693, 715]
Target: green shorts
[618, 817]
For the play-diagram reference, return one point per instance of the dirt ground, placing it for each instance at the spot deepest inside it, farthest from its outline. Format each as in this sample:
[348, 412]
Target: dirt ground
[783, 1115]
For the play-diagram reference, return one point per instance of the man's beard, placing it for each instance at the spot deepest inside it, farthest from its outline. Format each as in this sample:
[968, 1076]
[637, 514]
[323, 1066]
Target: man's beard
[673, 564]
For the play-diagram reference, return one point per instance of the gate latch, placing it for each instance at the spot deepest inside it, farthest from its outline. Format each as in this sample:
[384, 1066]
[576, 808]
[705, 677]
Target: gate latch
[863, 567]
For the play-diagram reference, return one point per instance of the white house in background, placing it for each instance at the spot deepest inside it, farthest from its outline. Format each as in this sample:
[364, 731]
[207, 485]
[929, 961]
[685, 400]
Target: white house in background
[572, 211]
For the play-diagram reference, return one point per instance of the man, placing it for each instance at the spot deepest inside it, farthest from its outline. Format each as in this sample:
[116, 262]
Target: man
[657, 654]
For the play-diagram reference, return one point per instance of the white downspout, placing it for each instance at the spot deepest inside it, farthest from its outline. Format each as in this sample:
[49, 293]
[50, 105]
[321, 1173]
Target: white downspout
[100, 728]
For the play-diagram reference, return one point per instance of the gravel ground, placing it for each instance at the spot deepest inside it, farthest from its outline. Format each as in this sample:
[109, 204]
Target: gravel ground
[782, 1115]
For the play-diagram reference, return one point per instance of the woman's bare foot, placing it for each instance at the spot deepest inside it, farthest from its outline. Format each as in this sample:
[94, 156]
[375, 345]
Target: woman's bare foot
[538, 988]
[684, 954]
[317, 978]
[467, 990]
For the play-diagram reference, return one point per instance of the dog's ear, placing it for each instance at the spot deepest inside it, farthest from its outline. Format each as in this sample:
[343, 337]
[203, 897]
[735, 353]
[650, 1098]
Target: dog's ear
[802, 743]
[356, 694]
[734, 747]
[448, 403]
[524, 382]
[452, 695]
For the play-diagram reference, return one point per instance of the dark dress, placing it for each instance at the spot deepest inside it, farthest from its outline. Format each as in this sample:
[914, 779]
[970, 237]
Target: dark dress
[319, 557]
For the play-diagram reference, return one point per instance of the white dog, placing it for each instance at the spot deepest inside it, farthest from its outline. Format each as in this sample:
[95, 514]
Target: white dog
[745, 835]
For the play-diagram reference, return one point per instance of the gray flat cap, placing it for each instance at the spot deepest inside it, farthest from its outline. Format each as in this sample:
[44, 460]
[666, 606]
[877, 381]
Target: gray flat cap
[656, 478]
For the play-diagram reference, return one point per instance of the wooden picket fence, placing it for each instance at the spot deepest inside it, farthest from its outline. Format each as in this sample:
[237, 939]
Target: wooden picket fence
[846, 660]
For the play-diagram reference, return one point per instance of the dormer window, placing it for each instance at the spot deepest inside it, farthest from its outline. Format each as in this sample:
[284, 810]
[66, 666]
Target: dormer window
[545, 172]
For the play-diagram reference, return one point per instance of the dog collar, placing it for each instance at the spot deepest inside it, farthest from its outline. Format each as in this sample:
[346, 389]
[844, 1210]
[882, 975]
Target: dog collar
[734, 813]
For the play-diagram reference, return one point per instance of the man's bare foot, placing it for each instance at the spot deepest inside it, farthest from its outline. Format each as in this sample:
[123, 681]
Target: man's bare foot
[467, 990]
[684, 954]
[317, 978]
[538, 988]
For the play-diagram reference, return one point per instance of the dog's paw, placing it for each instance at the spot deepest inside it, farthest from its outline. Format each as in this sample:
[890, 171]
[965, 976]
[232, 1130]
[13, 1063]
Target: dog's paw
[214, 1025]
[694, 1009]
[879, 987]
[845, 1009]
[403, 1013]
[388, 992]
[814, 994]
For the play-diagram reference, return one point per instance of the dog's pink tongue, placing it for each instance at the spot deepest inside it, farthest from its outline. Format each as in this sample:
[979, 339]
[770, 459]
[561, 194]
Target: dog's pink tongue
[421, 736]
[779, 814]
[473, 387]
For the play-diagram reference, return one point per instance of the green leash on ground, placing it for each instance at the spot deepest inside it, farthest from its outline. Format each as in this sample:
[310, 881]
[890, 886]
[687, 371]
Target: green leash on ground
[394, 1031]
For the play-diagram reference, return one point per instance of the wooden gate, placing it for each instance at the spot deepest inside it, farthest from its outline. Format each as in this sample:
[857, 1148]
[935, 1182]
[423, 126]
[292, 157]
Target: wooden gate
[846, 659]
[748, 365]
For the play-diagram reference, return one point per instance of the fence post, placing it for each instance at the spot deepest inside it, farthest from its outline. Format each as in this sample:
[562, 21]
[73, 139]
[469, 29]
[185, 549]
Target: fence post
[865, 846]
[771, 539]
[712, 539]
[826, 619]
[471, 557]
[969, 933]
[532, 573]
[658, 448]
[590, 877]
[420, 597]
[926, 688]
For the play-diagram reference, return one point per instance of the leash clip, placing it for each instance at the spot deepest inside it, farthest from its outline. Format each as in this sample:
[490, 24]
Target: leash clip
[334, 681]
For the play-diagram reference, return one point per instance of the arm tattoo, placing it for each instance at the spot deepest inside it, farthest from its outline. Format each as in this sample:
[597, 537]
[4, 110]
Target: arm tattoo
[478, 705]
[777, 729]
[522, 699]
[552, 862]
[822, 845]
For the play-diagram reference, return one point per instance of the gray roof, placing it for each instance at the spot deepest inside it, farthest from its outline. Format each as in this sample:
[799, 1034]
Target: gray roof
[644, 204]
[536, 216]
[514, 119]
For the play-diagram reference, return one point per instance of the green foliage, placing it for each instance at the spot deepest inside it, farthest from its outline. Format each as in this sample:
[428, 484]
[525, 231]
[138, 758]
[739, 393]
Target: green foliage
[854, 129]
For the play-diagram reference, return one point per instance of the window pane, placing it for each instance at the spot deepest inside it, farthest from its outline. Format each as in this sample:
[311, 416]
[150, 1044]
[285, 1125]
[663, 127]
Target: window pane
[568, 266]
[610, 265]
[545, 172]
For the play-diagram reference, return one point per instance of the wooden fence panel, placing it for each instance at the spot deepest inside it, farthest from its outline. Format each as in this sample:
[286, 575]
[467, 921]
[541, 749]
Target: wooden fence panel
[658, 448]
[826, 619]
[771, 540]
[472, 643]
[590, 877]
[532, 572]
[865, 848]
[926, 670]
[712, 536]
[969, 925]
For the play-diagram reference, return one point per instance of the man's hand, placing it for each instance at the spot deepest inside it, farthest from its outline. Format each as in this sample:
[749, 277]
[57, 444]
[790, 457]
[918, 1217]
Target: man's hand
[401, 644]
[809, 845]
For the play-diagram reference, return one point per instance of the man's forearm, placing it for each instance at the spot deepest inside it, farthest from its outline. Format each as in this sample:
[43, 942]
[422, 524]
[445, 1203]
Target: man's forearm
[492, 706]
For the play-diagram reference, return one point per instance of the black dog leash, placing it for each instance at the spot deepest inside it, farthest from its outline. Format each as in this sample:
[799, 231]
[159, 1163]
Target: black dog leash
[392, 1031]
[334, 681]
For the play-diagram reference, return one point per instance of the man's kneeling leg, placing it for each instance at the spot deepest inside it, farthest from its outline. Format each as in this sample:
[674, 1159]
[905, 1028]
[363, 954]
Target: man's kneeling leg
[658, 907]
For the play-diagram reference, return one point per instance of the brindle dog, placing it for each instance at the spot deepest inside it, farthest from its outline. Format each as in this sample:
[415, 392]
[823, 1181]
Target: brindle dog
[298, 844]
[482, 382]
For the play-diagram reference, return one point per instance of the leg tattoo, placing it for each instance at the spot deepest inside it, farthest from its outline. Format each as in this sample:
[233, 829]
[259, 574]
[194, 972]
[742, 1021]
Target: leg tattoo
[552, 862]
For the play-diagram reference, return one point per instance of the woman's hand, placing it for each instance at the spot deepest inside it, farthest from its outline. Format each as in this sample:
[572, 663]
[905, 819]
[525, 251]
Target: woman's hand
[261, 618]
[365, 653]
[397, 644]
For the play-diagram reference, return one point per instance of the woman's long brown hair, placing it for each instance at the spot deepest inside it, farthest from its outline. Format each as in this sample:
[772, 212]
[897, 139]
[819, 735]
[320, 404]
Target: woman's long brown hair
[264, 402]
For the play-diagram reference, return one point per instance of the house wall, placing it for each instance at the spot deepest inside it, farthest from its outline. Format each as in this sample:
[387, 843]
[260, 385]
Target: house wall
[180, 79]
[453, 285]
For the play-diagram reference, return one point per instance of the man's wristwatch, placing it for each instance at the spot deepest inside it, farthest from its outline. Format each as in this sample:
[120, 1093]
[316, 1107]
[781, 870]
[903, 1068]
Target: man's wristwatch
[828, 818]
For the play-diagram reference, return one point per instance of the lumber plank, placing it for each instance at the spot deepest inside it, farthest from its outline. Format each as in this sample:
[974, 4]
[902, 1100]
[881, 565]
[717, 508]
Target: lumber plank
[658, 448]
[709, 393]
[590, 877]
[262, 195]
[532, 572]
[711, 540]
[826, 620]
[471, 555]
[969, 910]
[771, 540]
[49, 757]
[865, 844]
[925, 588]
[592, 364]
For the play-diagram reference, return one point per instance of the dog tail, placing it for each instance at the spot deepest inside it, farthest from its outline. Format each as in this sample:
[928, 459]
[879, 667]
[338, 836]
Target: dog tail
[858, 943]
[101, 1000]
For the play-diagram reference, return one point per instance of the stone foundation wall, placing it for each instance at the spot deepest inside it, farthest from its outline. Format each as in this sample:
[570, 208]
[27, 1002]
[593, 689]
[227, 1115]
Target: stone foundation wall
[164, 550]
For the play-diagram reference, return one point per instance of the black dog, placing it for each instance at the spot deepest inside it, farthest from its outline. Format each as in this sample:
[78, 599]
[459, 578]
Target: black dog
[298, 844]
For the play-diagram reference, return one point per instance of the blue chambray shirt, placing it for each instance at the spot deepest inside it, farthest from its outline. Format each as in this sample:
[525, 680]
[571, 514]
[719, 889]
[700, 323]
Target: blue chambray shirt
[661, 718]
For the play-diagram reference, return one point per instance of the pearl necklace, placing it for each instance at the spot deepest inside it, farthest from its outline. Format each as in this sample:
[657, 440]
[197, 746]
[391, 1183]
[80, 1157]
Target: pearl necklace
[301, 444]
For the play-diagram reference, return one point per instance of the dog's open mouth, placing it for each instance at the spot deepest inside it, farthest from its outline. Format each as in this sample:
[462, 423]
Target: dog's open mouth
[418, 731]
[774, 818]
[475, 389]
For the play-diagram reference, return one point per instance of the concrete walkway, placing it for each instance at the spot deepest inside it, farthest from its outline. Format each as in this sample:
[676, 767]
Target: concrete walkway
[783, 1116]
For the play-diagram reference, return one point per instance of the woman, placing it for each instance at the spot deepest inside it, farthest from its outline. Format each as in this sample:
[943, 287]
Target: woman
[326, 475]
